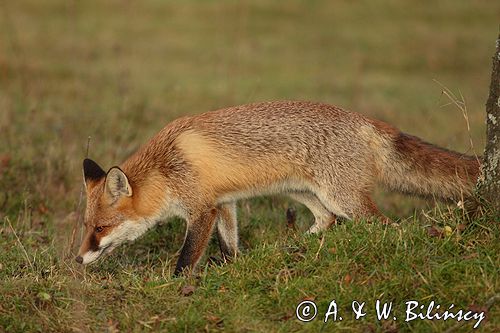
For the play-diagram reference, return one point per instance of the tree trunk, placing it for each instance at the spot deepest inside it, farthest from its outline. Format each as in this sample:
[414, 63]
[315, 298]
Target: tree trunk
[488, 185]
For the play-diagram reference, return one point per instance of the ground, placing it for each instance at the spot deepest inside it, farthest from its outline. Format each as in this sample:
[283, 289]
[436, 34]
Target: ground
[117, 71]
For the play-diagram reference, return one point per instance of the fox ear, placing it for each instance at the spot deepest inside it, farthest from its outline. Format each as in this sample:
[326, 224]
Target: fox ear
[92, 171]
[117, 184]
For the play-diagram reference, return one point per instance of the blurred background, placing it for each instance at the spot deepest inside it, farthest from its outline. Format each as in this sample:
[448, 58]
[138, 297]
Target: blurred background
[118, 71]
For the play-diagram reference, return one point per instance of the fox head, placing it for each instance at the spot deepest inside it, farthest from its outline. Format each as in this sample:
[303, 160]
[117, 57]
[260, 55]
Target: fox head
[110, 215]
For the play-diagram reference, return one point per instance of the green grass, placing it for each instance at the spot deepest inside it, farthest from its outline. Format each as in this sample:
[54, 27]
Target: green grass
[118, 71]
[260, 289]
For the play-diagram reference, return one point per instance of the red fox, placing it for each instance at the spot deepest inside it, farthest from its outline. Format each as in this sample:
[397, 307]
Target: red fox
[198, 167]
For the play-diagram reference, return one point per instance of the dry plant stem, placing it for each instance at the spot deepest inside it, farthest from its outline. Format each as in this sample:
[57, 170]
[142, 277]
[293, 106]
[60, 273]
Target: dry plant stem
[78, 220]
[20, 243]
[460, 103]
[320, 247]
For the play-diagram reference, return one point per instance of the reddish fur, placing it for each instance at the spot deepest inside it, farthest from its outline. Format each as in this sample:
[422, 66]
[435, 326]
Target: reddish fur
[422, 168]
[431, 160]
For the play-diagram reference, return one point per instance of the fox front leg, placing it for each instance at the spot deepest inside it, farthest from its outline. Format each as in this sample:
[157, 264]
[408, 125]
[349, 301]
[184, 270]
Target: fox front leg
[227, 230]
[198, 234]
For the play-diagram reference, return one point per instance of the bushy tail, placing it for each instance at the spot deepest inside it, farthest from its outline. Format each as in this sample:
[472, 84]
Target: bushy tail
[417, 167]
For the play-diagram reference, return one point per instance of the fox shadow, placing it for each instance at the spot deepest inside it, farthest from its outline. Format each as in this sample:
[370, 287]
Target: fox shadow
[161, 244]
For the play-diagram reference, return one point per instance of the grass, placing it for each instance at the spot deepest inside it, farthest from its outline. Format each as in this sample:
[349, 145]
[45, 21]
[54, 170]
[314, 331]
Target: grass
[117, 71]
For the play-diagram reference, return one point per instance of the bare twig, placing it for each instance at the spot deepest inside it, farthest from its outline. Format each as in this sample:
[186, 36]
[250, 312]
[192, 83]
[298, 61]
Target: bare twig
[320, 247]
[20, 243]
[78, 220]
[460, 103]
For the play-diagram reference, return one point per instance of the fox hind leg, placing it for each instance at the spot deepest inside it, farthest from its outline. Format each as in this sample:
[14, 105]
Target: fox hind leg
[358, 205]
[363, 207]
[323, 218]
[368, 210]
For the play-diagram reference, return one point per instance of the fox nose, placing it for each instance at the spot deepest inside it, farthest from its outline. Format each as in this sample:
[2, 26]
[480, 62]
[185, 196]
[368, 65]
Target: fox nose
[79, 259]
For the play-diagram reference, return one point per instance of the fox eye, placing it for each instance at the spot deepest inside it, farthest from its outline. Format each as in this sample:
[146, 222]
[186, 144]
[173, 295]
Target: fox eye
[99, 229]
